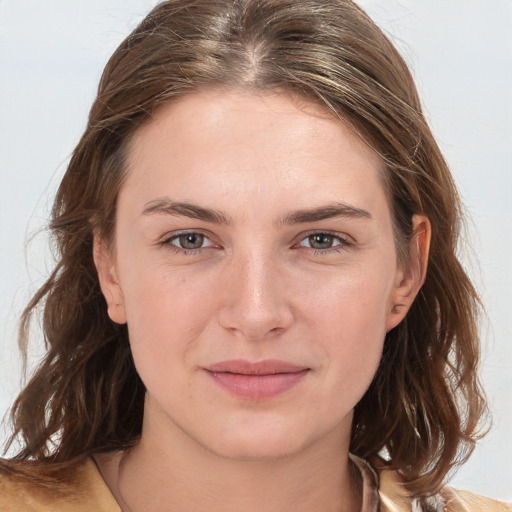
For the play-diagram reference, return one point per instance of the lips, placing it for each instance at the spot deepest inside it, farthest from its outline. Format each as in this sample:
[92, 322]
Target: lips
[256, 380]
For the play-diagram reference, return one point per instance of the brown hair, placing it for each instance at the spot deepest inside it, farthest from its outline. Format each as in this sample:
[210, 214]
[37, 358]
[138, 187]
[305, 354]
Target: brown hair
[425, 402]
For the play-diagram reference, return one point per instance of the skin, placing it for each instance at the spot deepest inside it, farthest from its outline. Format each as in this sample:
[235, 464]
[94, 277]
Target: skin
[263, 283]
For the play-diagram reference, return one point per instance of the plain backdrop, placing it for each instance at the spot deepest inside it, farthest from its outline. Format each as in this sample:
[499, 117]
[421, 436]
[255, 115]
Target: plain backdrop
[51, 56]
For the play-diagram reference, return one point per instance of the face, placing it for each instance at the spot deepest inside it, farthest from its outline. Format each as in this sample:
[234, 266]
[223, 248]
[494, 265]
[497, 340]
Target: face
[255, 266]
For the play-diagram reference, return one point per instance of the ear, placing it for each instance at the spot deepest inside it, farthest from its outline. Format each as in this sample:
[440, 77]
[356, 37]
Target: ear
[411, 278]
[109, 283]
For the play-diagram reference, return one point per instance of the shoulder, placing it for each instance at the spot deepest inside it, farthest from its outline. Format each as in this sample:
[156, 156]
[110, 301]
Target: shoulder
[30, 487]
[466, 501]
[395, 499]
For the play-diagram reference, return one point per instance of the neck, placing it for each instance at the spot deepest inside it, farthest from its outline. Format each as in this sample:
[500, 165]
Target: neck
[170, 471]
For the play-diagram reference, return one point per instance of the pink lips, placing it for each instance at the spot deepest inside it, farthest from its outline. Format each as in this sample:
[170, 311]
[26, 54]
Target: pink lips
[256, 381]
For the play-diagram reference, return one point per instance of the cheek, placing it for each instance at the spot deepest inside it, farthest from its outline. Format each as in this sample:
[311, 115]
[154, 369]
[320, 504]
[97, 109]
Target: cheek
[166, 314]
[355, 300]
[349, 322]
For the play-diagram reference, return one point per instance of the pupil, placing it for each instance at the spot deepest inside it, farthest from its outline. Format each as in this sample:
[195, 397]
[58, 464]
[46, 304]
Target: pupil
[320, 241]
[191, 241]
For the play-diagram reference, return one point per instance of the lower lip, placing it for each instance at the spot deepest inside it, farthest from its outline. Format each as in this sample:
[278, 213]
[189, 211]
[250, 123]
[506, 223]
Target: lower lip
[257, 387]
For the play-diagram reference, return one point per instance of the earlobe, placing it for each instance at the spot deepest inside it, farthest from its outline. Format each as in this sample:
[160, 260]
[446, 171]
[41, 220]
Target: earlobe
[410, 279]
[109, 283]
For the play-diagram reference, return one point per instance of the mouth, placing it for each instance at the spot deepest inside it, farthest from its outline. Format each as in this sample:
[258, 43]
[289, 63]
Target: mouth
[256, 381]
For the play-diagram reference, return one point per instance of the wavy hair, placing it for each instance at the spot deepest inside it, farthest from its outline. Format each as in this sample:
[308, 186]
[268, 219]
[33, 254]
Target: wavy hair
[424, 405]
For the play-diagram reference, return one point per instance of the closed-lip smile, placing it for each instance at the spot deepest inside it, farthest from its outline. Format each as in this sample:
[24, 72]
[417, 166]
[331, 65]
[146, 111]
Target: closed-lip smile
[258, 380]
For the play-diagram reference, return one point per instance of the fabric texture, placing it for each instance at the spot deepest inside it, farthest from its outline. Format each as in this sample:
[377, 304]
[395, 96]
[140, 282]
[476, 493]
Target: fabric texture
[85, 491]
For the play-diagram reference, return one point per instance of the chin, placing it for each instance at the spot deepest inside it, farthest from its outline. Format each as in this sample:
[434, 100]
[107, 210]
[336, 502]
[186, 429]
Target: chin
[262, 441]
[258, 449]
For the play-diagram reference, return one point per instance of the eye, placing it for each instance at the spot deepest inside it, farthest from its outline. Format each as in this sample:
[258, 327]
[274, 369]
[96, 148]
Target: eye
[320, 241]
[190, 241]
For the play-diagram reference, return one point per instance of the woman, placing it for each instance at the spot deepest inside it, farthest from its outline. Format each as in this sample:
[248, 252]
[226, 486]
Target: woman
[258, 303]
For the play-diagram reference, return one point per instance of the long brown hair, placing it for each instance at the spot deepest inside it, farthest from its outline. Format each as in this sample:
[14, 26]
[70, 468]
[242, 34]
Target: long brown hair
[425, 402]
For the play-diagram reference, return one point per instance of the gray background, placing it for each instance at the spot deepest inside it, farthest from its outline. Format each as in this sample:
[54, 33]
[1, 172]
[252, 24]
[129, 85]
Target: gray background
[51, 56]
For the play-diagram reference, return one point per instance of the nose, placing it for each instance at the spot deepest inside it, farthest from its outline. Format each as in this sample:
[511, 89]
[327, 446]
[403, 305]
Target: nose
[255, 303]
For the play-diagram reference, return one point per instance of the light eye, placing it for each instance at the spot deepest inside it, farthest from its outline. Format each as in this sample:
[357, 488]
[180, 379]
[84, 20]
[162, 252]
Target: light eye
[190, 241]
[320, 241]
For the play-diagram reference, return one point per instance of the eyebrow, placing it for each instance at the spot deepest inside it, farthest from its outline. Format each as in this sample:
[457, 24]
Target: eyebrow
[167, 206]
[325, 212]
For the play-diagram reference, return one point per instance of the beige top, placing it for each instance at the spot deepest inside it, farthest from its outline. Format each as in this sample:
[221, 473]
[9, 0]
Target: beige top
[87, 492]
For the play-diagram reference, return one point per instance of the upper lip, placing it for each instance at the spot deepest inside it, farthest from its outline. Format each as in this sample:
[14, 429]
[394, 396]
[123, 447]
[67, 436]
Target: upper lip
[265, 367]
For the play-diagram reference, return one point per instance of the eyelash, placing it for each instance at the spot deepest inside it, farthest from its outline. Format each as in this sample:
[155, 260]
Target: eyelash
[343, 242]
[168, 242]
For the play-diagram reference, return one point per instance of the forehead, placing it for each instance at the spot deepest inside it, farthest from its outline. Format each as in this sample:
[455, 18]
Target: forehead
[219, 143]
[215, 112]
